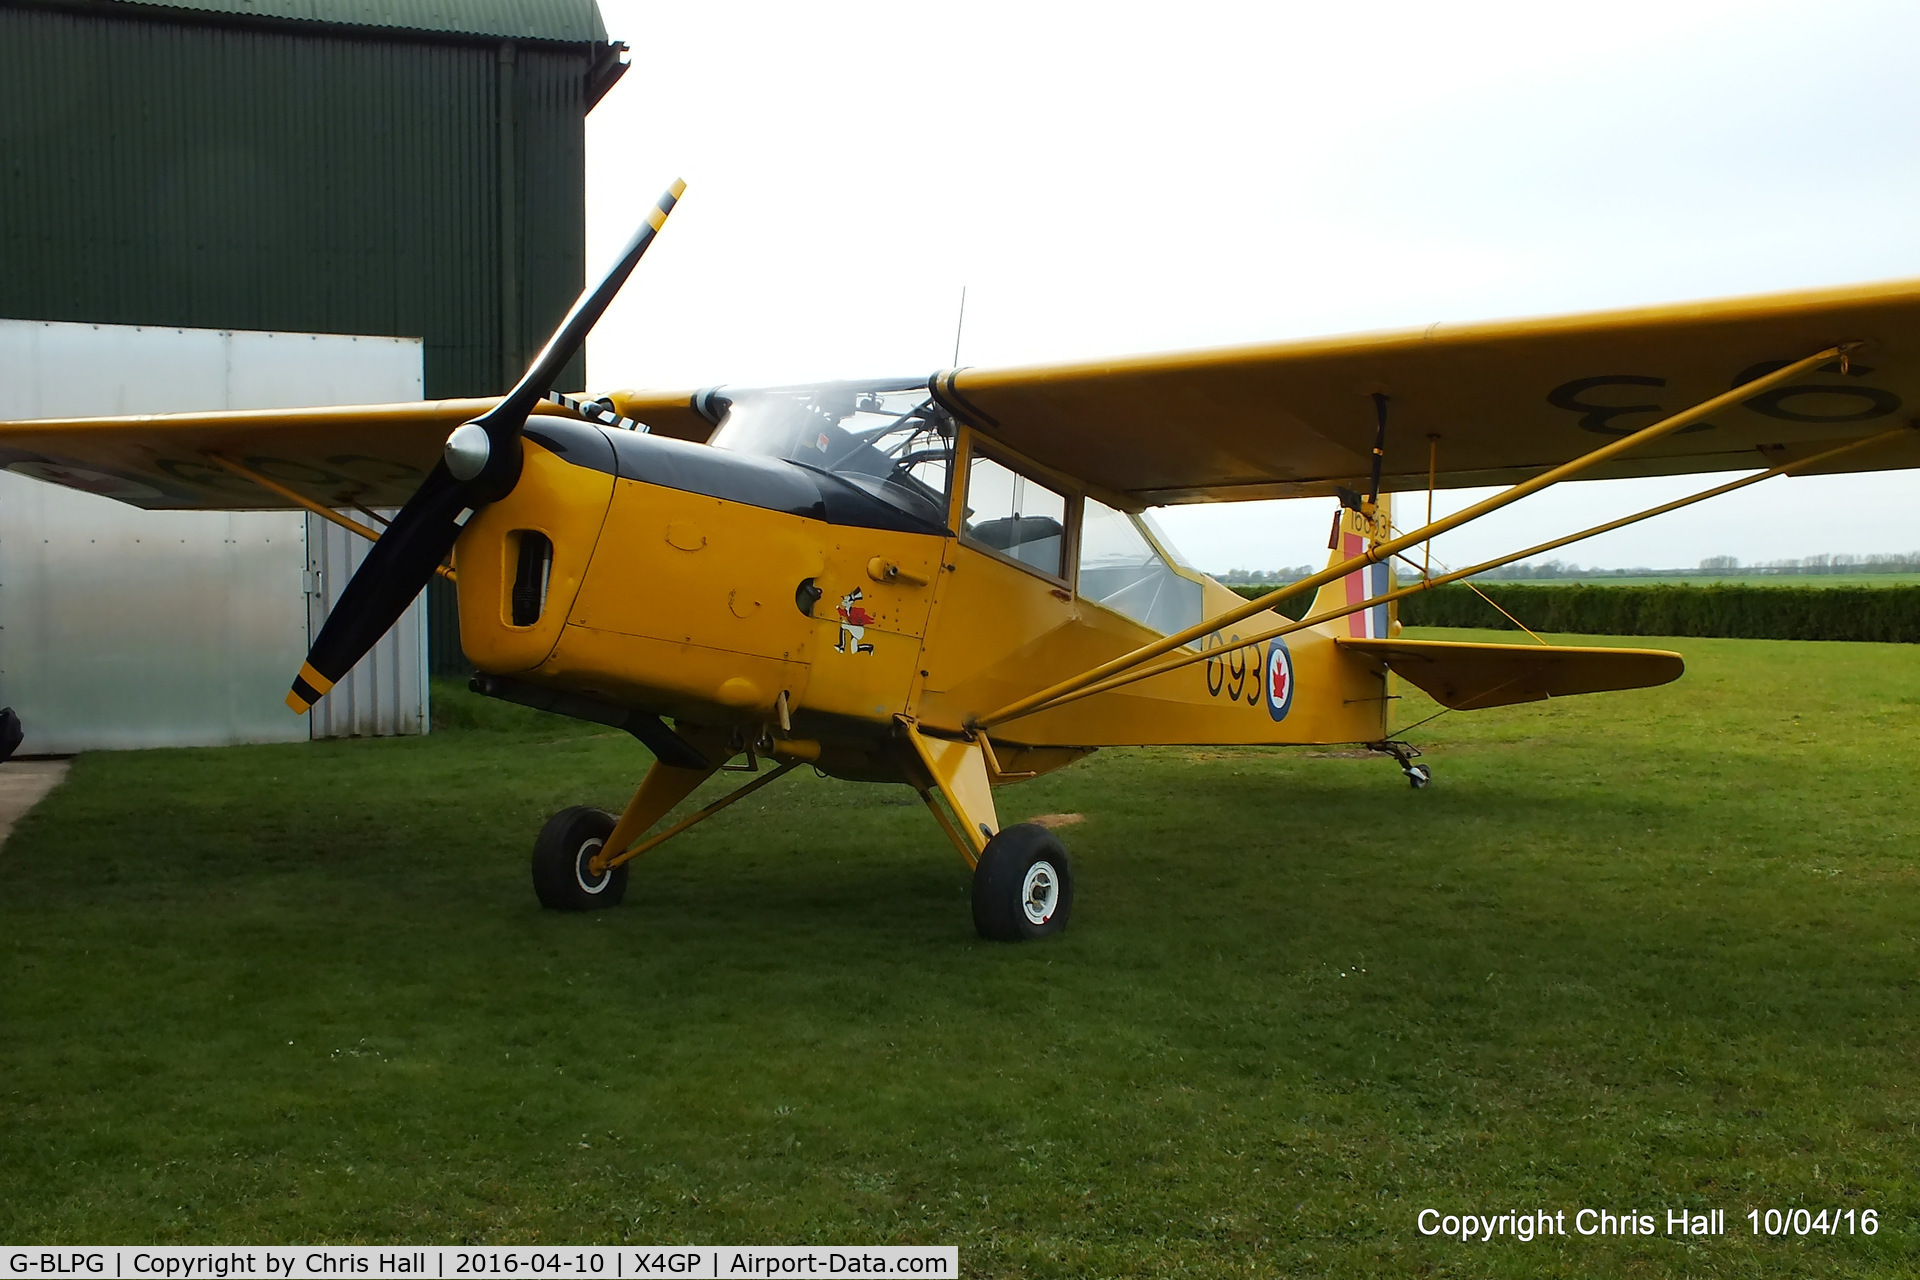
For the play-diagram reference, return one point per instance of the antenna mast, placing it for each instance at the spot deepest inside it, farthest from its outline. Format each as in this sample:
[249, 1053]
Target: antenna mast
[958, 325]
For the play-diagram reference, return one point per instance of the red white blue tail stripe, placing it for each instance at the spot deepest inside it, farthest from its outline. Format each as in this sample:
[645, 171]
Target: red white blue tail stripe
[1364, 584]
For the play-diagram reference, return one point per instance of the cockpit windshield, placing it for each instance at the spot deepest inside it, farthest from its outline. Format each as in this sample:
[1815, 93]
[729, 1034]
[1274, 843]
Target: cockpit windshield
[890, 440]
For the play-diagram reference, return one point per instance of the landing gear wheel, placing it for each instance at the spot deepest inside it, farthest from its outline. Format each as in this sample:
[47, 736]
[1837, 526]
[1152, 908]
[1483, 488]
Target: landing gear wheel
[561, 876]
[1023, 886]
[1418, 775]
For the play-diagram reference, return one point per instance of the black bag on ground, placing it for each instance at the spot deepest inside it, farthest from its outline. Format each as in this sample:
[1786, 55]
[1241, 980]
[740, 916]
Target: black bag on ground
[10, 733]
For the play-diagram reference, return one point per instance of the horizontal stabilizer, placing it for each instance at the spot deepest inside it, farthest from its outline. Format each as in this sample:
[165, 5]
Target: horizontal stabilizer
[1471, 677]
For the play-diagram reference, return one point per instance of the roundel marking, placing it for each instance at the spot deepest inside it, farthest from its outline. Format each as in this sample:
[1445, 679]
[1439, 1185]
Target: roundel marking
[1279, 680]
[86, 481]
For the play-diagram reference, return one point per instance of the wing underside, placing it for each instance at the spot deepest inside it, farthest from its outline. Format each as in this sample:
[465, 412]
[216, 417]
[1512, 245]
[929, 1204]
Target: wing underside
[345, 456]
[1481, 404]
[1474, 404]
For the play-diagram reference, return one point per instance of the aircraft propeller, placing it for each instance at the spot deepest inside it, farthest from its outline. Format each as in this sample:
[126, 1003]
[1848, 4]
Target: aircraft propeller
[481, 464]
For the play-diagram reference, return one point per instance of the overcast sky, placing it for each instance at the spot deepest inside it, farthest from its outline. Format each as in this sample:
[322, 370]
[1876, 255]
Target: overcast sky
[1106, 179]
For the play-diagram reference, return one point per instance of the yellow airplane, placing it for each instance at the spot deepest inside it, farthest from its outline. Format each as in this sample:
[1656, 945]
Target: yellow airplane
[951, 581]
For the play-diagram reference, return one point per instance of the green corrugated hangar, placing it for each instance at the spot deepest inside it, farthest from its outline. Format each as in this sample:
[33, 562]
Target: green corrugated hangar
[404, 167]
[236, 169]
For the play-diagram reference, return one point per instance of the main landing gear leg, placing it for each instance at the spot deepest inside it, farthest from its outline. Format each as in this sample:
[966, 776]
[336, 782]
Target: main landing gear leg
[579, 861]
[1418, 775]
[1022, 878]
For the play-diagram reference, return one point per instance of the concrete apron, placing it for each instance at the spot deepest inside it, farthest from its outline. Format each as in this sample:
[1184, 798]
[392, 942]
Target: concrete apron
[22, 784]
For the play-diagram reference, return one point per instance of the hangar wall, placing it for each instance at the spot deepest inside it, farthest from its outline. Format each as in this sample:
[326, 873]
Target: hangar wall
[398, 167]
[127, 628]
[170, 167]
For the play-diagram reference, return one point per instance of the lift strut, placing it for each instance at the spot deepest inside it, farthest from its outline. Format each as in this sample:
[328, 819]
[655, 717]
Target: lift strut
[1379, 550]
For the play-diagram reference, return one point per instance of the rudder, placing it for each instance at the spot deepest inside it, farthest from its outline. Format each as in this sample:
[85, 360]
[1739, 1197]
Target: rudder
[1352, 531]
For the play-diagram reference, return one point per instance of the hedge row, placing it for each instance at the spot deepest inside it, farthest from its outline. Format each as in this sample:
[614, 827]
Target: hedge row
[1294, 607]
[1752, 613]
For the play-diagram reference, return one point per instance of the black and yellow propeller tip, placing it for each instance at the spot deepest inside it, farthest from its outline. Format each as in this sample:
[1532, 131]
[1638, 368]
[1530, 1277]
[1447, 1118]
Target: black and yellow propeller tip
[308, 688]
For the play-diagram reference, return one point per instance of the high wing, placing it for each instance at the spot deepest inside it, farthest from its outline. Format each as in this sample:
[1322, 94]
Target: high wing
[1485, 404]
[365, 455]
[1506, 400]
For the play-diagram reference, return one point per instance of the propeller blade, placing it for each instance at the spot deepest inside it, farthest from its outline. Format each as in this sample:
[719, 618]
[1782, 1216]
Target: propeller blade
[480, 451]
[481, 465]
[572, 333]
[397, 566]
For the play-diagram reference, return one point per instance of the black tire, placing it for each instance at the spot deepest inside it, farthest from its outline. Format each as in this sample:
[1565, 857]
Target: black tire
[1023, 886]
[560, 876]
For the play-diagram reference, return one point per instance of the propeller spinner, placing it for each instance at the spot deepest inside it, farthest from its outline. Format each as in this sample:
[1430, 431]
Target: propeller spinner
[481, 464]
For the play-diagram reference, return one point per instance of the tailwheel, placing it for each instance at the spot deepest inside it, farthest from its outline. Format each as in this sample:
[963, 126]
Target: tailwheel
[561, 875]
[1418, 775]
[1023, 885]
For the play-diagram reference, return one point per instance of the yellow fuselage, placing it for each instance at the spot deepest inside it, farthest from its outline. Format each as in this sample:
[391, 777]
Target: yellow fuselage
[700, 585]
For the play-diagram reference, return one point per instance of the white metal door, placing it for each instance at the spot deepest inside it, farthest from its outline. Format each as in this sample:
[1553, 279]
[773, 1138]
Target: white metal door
[387, 692]
[128, 628]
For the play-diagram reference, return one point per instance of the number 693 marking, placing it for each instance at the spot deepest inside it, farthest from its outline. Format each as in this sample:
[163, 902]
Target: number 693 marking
[1228, 666]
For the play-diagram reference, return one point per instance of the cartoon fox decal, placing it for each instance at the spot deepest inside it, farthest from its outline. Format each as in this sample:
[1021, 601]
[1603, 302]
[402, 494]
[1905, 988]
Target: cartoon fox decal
[854, 620]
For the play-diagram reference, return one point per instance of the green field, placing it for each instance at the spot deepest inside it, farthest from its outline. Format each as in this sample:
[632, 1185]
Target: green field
[1642, 952]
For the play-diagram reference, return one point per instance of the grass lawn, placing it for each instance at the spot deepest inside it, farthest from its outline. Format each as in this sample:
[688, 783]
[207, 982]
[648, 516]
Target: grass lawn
[1639, 952]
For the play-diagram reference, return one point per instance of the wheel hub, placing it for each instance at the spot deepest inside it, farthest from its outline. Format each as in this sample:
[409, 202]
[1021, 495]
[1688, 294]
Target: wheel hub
[583, 867]
[1040, 893]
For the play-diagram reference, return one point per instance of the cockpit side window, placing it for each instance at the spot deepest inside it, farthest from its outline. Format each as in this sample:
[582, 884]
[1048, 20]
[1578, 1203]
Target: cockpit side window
[1121, 569]
[1016, 515]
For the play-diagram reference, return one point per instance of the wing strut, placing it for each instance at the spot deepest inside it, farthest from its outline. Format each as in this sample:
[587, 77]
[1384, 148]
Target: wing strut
[1331, 615]
[1144, 672]
[299, 499]
[1433, 471]
[1381, 550]
[1379, 446]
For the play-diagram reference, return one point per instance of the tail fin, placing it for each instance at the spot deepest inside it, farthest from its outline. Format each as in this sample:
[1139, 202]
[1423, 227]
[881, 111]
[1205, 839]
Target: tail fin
[1352, 532]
